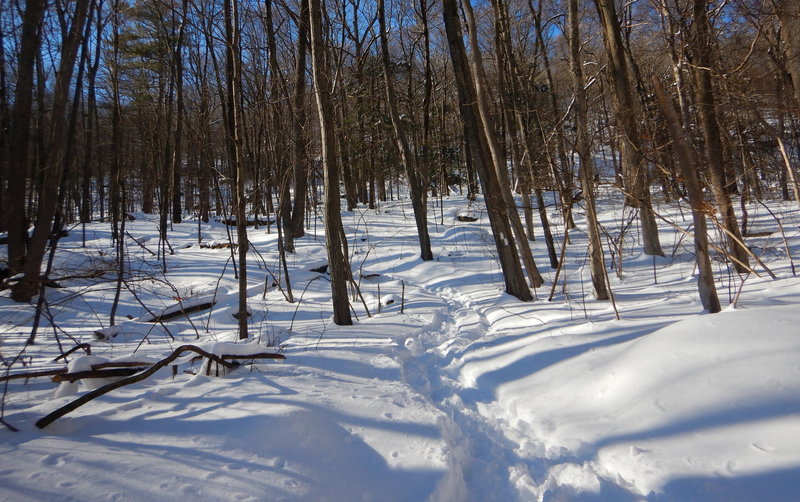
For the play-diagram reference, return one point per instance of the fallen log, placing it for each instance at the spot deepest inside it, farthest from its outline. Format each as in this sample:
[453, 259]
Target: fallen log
[61, 374]
[260, 355]
[122, 364]
[32, 374]
[181, 311]
[100, 373]
[89, 396]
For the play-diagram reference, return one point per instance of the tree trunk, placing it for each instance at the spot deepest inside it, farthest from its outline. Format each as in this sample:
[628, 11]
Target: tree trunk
[496, 207]
[21, 117]
[637, 192]
[53, 162]
[789, 17]
[300, 167]
[583, 147]
[707, 110]
[338, 267]
[234, 125]
[495, 156]
[416, 184]
[177, 152]
[688, 161]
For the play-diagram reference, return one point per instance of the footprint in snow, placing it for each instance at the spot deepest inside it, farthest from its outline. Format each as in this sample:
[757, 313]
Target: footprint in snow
[53, 459]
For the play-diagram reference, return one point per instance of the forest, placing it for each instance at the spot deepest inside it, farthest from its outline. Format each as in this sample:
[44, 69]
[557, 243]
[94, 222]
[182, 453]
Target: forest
[176, 175]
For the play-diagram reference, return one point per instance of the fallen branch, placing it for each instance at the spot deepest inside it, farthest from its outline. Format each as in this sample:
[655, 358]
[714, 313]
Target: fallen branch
[260, 355]
[85, 346]
[32, 374]
[140, 243]
[102, 373]
[72, 406]
[60, 374]
[181, 311]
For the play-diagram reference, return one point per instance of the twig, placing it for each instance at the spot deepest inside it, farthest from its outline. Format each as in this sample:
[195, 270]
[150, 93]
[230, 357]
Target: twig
[85, 346]
[141, 244]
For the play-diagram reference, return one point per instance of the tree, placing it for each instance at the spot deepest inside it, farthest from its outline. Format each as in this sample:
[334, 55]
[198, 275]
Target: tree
[496, 207]
[415, 181]
[689, 163]
[583, 147]
[495, 155]
[233, 76]
[19, 140]
[789, 16]
[52, 168]
[335, 240]
[702, 48]
[637, 192]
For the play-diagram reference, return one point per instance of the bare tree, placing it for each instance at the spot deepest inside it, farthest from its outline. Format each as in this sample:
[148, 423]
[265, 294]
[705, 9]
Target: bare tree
[335, 240]
[583, 147]
[497, 158]
[415, 181]
[19, 140]
[689, 163]
[637, 192]
[234, 124]
[702, 49]
[496, 206]
[789, 16]
[52, 168]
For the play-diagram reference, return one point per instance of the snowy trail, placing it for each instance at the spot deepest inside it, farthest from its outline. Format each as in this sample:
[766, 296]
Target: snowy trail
[479, 455]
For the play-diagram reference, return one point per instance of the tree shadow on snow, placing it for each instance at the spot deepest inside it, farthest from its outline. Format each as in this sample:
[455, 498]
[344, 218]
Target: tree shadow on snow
[774, 486]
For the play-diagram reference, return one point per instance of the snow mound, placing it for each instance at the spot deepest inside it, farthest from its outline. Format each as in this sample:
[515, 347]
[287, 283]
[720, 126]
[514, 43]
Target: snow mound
[709, 396]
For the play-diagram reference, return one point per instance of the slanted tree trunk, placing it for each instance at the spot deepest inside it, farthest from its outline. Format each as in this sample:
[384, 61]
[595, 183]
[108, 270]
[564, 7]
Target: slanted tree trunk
[583, 147]
[415, 181]
[21, 116]
[509, 87]
[688, 161]
[496, 157]
[53, 160]
[338, 267]
[637, 191]
[707, 110]
[496, 207]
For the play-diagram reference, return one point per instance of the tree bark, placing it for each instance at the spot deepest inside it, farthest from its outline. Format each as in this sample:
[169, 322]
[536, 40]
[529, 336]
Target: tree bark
[637, 192]
[300, 167]
[415, 182]
[789, 17]
[496, 207]
[338, 266]
[53, 163]
[583, 147]
[688, 161]
[234, 125]
[707, 110]
[21, 116]
[495, 155]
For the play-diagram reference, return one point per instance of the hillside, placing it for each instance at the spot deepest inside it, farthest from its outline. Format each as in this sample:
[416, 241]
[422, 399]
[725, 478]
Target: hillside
[449, 390]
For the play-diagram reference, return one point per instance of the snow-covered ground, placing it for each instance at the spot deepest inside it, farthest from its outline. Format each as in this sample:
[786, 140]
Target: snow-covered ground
[465, 394]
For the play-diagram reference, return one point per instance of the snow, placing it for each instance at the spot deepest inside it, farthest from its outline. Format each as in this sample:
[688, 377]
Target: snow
[467, 394]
